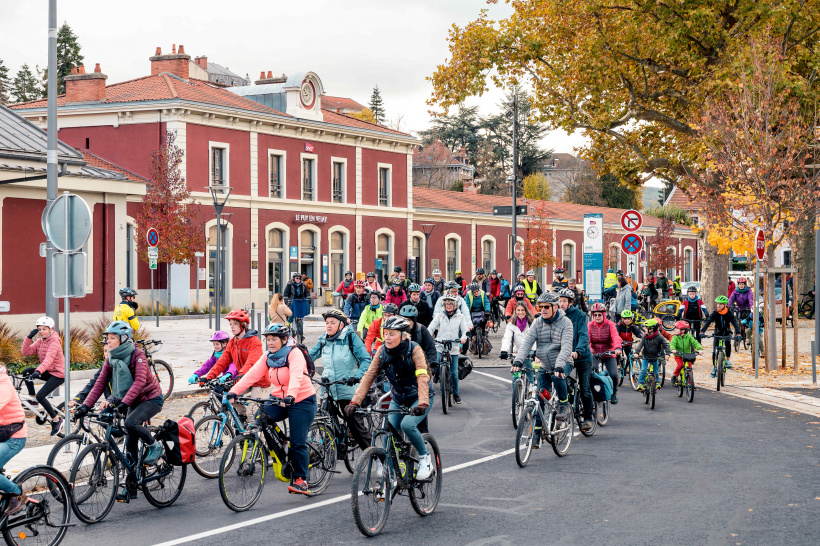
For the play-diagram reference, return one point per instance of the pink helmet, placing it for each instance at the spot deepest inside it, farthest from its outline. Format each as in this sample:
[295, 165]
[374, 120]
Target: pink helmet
[219, 335]
[682, 324]
[742, 280]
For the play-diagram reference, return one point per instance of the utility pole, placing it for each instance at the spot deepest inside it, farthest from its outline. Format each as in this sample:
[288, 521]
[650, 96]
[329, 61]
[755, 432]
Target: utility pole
[514, 271]
[52, 304]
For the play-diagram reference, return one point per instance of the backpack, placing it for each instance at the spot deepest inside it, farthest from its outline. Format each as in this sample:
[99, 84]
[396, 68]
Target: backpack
[601, 385]
[179, 440]
[309, 364]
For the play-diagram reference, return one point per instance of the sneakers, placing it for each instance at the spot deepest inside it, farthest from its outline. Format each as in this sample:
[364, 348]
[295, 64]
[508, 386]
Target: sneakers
[675, 380]
[299, 487]
[658, 386]
[727, 364]
[713, 374]
[425, 468]
[641, 387]
[586, 425]
[614, 399]
[456, 399]
[563, 411]
[16, 503]
[126, 495]
[154, 453]
[55, 426]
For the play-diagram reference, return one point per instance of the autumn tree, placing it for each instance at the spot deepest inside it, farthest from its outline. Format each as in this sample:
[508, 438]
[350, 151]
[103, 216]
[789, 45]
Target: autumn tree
[365, 115]
[537, 188]
[659, 256]
[538, 240]
[581, 187]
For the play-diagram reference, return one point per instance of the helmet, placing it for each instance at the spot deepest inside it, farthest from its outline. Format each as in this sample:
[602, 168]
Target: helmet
[567, 293]
[518, 288]
[371, 274]
[239, 314]
[430, 280]
[396, 323]
[375, 293]
[626, 314]
[397, 269]
[474, 286]
[120, 328]
[219, 335]
[45, 321]
[560, 271]
[692, 288]
[480, 271]
[449, 285]
[448, 297]
[652, 325]
[494, 272]
[295, 275]
[598, 308]
[348, 272]
[414, 288]
[682, 324]
[408, 311]
[548, 297]
[458, 272]
[609, 270]
[742, 280]
[661, 272]
[530, 273]
[619, 272]
[127, 292]
[437, 272]
[335, 313]
[390, 308]
[722, 299]
[276, 329]
[677, 277]
[396, 282]
[358, 283]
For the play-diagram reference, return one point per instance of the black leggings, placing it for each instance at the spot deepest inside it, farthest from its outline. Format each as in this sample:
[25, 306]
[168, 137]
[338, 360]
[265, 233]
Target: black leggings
[610, 364]
[137, 415]
[727, 347]
[42, 396]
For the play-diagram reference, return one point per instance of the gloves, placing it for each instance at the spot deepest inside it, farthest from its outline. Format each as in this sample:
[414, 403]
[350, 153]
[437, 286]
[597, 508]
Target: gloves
[114, 401]
[81, 412]
[352, 381]
[33, 333]
[193, 379]
[350, 409]
[503, 355]
[288, 400]
[122, 408]
[558, 369]
[34, 375]
[419, 410]
[225, 378]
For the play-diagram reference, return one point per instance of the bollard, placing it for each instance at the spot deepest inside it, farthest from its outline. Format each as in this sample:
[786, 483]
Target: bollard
[210, 317]
[254, 326]
[259, 321]
[157, 313]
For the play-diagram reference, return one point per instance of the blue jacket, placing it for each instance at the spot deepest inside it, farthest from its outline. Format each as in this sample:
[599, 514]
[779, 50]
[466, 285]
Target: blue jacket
[354, 305]
[504, 289]
[475, 304]
[343, 357]
[580, 334]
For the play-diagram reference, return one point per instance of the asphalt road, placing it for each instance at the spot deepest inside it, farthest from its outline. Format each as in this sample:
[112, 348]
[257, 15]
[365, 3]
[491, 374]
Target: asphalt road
[722, 470]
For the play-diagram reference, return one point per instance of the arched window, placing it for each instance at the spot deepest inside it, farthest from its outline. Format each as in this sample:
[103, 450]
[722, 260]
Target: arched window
[687, 265]
[417, 254]
[308, 253]
[337, 258]
[277, 279]
[383, 245]
[225, 261]
[614, 258]
[568, 258]
[453, 257]
[488, 255]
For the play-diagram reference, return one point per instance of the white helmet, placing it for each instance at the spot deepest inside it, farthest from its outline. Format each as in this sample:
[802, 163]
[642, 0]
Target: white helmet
[437, 272]
[45, 321]
[530, 272]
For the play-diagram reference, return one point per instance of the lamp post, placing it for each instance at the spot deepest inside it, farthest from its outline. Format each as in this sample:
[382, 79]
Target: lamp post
[220, 195]
[513, 113]
[427, 229]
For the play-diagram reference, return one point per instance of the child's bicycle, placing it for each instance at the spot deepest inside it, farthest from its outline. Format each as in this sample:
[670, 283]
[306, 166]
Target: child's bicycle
[45, 517]
[687, 383]
[30, 403]
[213, 404]
[625, 362]
[719, 361]
[650, 385]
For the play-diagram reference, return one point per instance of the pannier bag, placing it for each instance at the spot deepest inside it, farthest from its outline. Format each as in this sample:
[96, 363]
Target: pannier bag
[601, 385]
[180, 444]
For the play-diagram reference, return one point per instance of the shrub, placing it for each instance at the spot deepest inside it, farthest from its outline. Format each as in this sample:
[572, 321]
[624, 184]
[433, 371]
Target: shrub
[94, 336]
[10, 344]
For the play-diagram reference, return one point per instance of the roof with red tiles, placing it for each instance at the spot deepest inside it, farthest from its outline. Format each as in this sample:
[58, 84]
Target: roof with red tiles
[330, 116]
[100, 163]
[343, 103]
[681, 199]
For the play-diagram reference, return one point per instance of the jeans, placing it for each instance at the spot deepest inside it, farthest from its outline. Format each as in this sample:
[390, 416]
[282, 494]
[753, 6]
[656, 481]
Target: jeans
[453, 369]
[645, 367]
[137, 415]
[584, 373]
[300, 416]
[611, 366]
[409, 424]
[546, 380]
[526, 367]
[51, 385]
[357, 427]
[9, 449]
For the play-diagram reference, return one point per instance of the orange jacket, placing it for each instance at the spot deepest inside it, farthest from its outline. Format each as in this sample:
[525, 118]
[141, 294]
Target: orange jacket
[375, 337]
[510, 310]
[243, 351]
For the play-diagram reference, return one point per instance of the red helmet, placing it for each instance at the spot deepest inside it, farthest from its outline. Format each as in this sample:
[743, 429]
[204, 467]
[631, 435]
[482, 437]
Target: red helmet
[742, 280]
[359, 283]
[239, 314]
[598, 308]
[682, 324]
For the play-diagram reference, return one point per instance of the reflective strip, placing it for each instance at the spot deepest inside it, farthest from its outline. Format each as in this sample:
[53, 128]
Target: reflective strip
[421, 372]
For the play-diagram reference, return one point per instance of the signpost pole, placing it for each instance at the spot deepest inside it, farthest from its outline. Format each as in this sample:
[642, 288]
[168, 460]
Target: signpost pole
[756, 323]
[67, 334]
[218, 272]
[52, 303]
[816, 293]
[514, 268]
[197, 280]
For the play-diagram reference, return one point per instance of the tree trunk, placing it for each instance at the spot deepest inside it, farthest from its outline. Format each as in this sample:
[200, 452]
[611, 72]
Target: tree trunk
[714, 272]
[804, 258]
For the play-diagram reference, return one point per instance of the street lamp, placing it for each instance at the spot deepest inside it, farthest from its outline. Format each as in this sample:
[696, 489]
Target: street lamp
[427, 229]
[220, 195]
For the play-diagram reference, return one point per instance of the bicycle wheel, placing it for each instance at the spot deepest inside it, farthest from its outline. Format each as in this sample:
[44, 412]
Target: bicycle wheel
[652, 393]
[525, 437]
[662, 372]
[163, 482]
[479, 342]
[44, 519]
[690, 386]
[517, 401]
[668, 322]
[200, 410]
[322, 457]
[621, 369]
[745, 341]
[563, 432]
[165, 375]
[370, 492]
[242, 472]
[602, 410]
[64, 452]
[444, 381]
[424, 495]
[353, 451]
[94, 479]
[212, 437]
[578, 415]
[719, 369]
[681, 386]
[634, 374]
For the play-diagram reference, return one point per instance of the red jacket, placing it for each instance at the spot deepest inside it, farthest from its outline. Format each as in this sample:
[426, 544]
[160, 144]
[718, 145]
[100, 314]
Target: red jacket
[375, 337]
[346, 290]
[392, 297]
[243, 352]
[495, 287]
[145, 385]
[604, 336]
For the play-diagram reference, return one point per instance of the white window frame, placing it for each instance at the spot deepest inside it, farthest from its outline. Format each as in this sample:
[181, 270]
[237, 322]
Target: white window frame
[457, 238]
[226, 161]
[570, 242]
[689, 276]
[391, 249]
[389, 168]
[228, 256]
[285, 229]
[493, 253]
[345, 251]
[315, 175]
[283, 155]
[343, 161]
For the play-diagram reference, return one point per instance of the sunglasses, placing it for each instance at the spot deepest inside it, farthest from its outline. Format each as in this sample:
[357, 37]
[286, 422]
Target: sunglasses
[545, 306]
[597, 314]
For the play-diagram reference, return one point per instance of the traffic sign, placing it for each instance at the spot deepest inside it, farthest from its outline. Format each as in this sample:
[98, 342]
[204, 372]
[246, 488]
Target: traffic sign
[153, 253]
[643, 255]
[760, 244]
[631, 265]
[153, 237]
[152, 263]
[68, 275]
[507, 211]
[518, 251]
[631, 243]
[631, 220]
[67, 222]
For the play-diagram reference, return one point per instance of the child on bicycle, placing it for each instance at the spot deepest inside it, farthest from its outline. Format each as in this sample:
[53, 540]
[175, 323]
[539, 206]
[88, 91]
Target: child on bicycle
[724, 321]
[13, 433]
[629, 332]
[683, 342]
[375, 336]
[220, 341]
[652, 347]
[49, 350]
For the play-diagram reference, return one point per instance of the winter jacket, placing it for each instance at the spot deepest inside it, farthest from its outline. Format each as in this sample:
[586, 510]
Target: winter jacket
[732, 288]
[355, 304]
[368, 316]
[145, 386]
[410, 371]
[692, 309]
[127, 313]
[623, 301]
[11, 409]
[744, 299]
[430, 298]
[205, 368]
[461, 305]
[392, 297]
[653, 346]
[484, 284]
[425, 311]
[510, 310]
[495, 287]
[375, 336]
[242, 352]
[513, 337]
[580, 334]
[478, 303]
[629, 333]
[438, 285]
[663, 286]
[342, 357]
[722, 322]
[580, 300]
[50, 353]
[279, 312]
[552, 340]
[685, 344]
[295, 291]
[504, 289]
[346, 287]
[291, 380]
[373, 286]
[422, 336]
[559, 284]
[603, 337]
[449, 327]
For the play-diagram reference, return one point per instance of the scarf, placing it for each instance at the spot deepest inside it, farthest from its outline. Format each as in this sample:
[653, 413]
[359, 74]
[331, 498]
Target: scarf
[399, 349]
[521, 323]
[553, 319]
[375, 307]
[651, 335]
[121, 378]
[218, 354]
[722, 311]
[348, 282]
[279, 359]
[335, 336]
[742, 290]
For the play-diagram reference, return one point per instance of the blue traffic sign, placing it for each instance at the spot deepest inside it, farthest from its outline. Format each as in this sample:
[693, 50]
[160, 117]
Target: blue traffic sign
[152, 236]
[631, 243]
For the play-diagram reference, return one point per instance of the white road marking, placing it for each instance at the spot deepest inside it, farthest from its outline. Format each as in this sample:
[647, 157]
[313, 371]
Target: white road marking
[493, 376]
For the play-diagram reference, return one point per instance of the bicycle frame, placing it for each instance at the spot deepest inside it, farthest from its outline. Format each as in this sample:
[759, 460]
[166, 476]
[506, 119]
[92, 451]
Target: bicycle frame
[28, 401]
[398, 452]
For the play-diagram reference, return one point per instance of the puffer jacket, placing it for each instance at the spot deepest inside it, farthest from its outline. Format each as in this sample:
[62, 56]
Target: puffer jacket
[623, 301]
[145, 385]
[744, 300]
[513, 338]
[368, 316]
[604, 336]
[355, 305]
[205, 368]
[580, 334]
[242, 352]
[448, 327]
[291, 380]
[11, 410]
[343, 357]
[50, 353]
[552, 340]
[392, 297]
[461, 305]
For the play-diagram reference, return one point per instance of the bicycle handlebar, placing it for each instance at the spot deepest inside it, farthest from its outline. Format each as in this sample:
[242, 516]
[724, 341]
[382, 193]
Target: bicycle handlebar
[324, 383]
[370, 409]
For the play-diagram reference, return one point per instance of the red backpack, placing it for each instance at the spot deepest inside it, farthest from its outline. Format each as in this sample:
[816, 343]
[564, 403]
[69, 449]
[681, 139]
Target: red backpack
[180, 444]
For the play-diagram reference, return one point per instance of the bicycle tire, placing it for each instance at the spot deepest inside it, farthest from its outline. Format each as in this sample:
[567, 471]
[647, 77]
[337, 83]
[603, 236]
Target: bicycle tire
[321, 457]
[681, 386]
[517, 401]
[100, 470]
[668, 322]
[45, 488]
[445, 387]
[163, 372]
[164, 491]
[200, 410]
[602, 411]
[745, 341]
[209, 453]
[594, 421]
[370, 491]
[564, 437]
[621, 369]
[690, 387]
[424, 499]
[245, 458]
[652, 394]
[719, 369]
[58, 458]
[525, 437]
[479, 342]
[662, 373]
[634, 375]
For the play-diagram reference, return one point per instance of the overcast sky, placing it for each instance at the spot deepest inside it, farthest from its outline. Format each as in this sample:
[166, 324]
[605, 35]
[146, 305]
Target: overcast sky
[352, 45]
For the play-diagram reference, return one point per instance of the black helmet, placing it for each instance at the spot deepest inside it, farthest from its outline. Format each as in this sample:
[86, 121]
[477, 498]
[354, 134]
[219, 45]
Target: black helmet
[494, 272]
[348, 273]
[480, 271]
[396, 323]
[449, 285]
[430, 280]
[474, 286]
[548, 297]
[127, 292]
[408, 311]
[370, 274]
[296, 274]
[397, 269]
[391, 308]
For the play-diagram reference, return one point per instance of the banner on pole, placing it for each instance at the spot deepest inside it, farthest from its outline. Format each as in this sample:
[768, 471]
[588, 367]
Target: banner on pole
[593, 255]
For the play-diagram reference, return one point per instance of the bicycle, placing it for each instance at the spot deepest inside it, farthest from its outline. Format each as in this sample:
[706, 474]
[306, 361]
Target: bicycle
[161, 369]
[603, 409]
[213, 432]
[650, 386]
[30, 403]
[634, 371]
[541, 407]
[805, 305]
[300, 308]
[741, 321]
[496, 313]
[624, 362]
[688, 383]
[242, 470]
[479, 337]
[96, 474]
[47, 513]
[372, 492]
[574, 396]
[331, 414]
[445, 377]
[522, 382]
[213, 404]
[65, 452]
[719, 361]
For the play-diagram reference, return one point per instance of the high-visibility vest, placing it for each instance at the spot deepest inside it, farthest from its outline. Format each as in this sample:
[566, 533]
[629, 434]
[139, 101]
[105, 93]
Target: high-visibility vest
[531, 290]
[610, 280]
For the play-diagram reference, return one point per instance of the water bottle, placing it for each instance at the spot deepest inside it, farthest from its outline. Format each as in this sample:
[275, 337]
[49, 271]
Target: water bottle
[545, 395]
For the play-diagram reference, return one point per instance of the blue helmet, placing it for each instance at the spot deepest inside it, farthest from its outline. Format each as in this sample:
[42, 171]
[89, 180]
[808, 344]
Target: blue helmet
[122, 329]
[276, 329]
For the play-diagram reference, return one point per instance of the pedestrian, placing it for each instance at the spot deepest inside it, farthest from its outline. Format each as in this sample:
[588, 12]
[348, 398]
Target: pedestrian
[278, 311]
[623, 300]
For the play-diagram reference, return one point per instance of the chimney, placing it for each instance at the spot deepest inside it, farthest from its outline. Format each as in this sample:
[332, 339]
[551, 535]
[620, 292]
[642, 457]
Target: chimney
[175, 63]
[270, 78]
[82, 87]
[469, 187]
[202, 61]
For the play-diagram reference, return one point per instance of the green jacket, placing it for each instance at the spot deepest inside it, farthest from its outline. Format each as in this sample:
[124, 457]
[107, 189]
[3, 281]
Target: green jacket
[368, 316]
[343, 357]
[685, 344]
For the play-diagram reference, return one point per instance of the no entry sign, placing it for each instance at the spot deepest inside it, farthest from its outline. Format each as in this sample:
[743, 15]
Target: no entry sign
[631, 243]
[631, 220]
[760, 244]
[152, 236]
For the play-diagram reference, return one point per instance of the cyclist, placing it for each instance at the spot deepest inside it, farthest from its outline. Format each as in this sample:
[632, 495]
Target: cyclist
[651, 347]
[479, 305]
[296, 291]
[560, 281]
[14, 430]
[375, 337]
[551, 334]
[438, 281]
[356, 303]
[371, 313]
[581, 355]
[403, 362]
[126, 310]
[425, 312]
[48, 349]
[519, 295]
[676, 287]
[732, 288]
[133, 388]
[683, 342]
[603, 336]
[482, 280]
[462, 283]
[610, 285]
[452, 288]
[219, 339]
[372, 283]
[693, 310]
[515, 331]
[531, 286]
[724, 321]
[343, 356]
[653, 291]
[628, 331]
[662, 284]
[450, 324]
[495, 285]
[580, 297]
[430, 295]
[396, 293]
[394, 275]
[285, 370]
[504, 290]
[419, 333]
[83, 394]
[243, 350]
[405, 282]
[743, 297]
[346, 287]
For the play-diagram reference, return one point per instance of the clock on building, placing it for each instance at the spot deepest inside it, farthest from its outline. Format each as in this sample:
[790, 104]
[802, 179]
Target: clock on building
[593, 232]
[307, 94]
